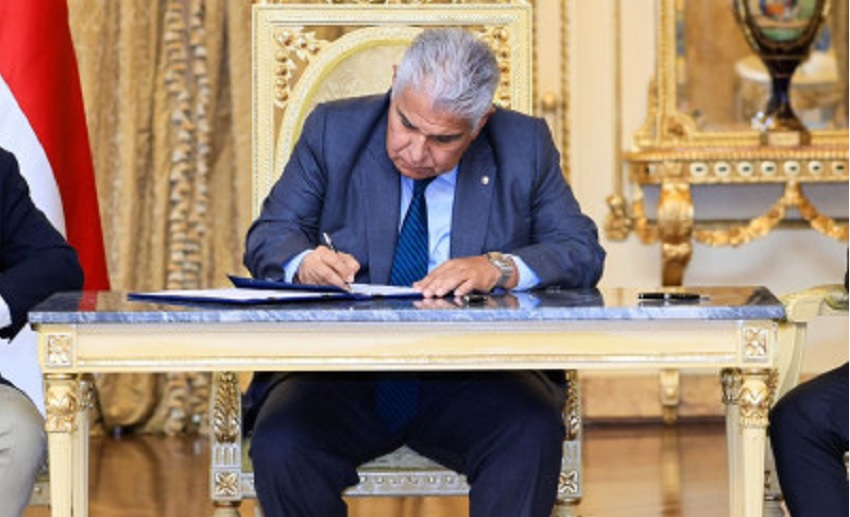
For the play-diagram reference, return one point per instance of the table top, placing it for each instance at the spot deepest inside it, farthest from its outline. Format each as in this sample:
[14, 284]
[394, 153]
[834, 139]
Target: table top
[716, 303]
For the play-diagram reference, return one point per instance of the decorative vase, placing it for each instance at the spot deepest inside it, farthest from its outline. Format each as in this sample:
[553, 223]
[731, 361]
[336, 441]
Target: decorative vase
[781, 32]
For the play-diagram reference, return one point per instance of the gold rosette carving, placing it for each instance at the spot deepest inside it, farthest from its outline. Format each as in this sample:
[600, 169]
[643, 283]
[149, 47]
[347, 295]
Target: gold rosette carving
[226, 484]
[755, 343]
[59, 350]
[756, 398]
[568, 482]
[61, 405]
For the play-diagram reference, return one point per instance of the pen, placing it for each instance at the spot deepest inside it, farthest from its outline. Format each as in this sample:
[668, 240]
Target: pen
[328, 242]
[671, 297]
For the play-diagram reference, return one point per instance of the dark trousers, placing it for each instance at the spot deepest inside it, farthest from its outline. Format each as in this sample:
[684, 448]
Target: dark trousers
[503, 430]
[808, 433]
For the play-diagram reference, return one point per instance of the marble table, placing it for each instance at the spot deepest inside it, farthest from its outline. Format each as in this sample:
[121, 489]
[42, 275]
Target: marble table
[734, 330]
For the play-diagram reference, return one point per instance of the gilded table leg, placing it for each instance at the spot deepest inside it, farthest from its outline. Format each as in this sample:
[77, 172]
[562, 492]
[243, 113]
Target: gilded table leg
[570, 481]
[731, 381]
[226, 509]
[80, 451]
[225, 445]
[772, 493]
[755, 398]
[62, 408]
[789, 361]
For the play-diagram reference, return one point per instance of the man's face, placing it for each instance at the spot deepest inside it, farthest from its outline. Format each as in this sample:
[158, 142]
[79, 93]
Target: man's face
[422, 142]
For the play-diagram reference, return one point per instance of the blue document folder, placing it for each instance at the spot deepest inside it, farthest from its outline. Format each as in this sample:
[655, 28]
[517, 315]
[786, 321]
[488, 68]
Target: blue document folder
[252, 291]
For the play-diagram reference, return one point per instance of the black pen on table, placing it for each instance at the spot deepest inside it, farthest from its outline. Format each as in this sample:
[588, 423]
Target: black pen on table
[670, 297]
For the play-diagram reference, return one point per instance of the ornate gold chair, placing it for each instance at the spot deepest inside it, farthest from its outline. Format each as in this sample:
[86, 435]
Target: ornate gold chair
[303, 55]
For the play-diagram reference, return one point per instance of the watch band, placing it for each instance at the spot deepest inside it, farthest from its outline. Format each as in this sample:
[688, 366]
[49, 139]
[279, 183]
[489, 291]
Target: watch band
[505, 265]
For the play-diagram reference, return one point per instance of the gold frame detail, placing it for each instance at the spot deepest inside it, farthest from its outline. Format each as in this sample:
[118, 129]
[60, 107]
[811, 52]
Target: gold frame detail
[670, 152]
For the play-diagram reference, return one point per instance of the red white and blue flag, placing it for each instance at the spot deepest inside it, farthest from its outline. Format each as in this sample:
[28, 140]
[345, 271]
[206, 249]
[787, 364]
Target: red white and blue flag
[42, 122]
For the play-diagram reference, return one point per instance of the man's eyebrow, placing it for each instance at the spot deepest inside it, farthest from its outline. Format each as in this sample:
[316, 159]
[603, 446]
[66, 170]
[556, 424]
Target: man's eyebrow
[442, 137]
[404, 119]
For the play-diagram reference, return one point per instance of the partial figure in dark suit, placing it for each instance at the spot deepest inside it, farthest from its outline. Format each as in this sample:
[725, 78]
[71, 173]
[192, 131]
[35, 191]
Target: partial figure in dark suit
[808, 435]
[430, 186]
[35, 262]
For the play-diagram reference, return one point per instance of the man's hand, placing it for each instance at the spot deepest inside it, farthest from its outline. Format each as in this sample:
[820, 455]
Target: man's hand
[323, 266]
[462, 276]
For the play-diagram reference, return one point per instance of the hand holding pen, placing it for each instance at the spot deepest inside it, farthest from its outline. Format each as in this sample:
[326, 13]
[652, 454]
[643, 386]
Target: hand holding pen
[326, 240]
[326, 265]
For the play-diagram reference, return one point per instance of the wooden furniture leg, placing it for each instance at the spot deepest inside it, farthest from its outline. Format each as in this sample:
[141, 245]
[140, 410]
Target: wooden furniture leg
[80, 439]
[730, 379]
[226, 509]
[571, 479]
[754, 401]
[62, 409]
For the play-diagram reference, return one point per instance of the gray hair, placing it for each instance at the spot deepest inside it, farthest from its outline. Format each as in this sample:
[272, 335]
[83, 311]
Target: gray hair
[456, 70]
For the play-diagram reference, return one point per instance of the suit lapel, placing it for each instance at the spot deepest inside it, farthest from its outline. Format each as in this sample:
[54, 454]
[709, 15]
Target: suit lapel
[476, 174]
[382, 194]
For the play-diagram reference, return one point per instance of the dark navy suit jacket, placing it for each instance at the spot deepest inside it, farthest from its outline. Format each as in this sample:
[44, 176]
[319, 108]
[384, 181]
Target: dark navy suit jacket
[35, 260]
[340, 180]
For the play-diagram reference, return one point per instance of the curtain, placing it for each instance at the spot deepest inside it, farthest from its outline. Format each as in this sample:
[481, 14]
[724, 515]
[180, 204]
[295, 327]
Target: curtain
[166, 85]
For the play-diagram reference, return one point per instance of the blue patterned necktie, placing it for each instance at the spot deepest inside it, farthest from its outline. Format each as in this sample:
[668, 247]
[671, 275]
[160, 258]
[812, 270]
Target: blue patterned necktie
[410, 261]
[397, 394]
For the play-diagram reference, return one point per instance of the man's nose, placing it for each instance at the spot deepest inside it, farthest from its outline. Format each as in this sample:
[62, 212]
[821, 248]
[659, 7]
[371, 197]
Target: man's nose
[418, 148]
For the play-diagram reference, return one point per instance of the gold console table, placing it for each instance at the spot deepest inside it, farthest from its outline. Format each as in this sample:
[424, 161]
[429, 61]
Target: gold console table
[676, 170]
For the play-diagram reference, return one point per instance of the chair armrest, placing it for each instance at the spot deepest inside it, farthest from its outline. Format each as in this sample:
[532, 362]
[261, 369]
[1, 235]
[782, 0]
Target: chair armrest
[822, 300]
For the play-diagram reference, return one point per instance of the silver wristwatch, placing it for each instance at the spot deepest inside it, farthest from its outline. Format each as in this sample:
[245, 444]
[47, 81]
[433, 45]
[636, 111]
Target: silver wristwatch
[505, 265]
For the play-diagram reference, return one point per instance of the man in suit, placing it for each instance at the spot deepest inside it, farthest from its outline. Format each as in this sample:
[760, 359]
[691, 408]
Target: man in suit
[808, 435]
[430, 179]
[35, 262]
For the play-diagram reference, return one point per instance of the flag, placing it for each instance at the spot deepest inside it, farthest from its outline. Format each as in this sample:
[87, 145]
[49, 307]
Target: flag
[42, 122]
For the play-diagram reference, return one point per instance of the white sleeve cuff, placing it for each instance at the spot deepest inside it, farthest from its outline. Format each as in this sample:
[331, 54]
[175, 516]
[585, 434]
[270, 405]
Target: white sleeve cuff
[291, 267]
[526, 277]
[5, 315]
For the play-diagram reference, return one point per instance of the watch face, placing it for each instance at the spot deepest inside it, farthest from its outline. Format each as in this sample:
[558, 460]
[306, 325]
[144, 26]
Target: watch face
[504, 264]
